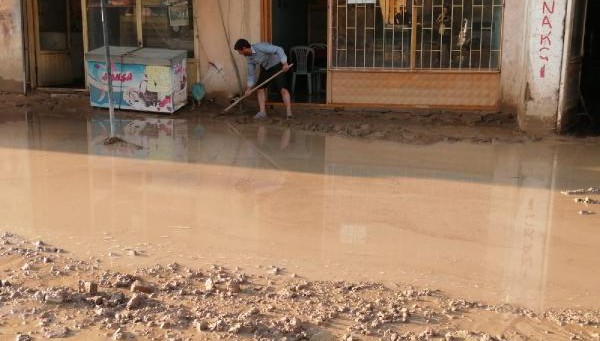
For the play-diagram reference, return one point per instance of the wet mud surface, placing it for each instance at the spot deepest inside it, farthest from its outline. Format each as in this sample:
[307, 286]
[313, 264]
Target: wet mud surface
[336, 225]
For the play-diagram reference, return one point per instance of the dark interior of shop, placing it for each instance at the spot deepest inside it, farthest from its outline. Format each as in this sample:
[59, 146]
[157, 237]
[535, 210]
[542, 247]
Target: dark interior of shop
[302, 25]
[589, 120]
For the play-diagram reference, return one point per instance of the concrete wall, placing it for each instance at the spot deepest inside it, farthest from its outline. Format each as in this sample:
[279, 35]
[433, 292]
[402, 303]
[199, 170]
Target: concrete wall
[546, 21]
[514, 56]
[242, 19]
[11, 45]
[532, 62]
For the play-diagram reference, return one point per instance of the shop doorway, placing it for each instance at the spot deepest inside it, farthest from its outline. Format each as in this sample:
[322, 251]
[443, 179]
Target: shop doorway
[300, 27]
[591, 70]
[58, 42]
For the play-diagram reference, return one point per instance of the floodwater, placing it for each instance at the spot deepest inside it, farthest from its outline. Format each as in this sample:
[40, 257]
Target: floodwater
[484, 222]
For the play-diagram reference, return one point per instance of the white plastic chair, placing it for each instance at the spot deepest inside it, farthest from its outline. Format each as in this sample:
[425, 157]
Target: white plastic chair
[301, 56]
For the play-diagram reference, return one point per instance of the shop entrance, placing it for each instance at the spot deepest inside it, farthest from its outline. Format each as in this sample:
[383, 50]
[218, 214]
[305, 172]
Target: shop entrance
[300, 27]
[58, 42]
[579, 107]
[591, 70]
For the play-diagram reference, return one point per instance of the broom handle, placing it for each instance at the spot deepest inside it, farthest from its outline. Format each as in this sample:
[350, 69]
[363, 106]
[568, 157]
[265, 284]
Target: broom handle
[254, 89]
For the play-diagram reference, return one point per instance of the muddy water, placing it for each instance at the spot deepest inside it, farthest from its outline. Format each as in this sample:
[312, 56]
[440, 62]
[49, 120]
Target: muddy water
[483, 222]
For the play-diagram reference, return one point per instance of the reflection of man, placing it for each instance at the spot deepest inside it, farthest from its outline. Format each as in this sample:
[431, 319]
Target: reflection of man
[284, 143]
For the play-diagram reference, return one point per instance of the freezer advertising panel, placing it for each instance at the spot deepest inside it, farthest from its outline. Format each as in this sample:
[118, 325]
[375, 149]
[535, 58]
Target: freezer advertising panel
[139, 87]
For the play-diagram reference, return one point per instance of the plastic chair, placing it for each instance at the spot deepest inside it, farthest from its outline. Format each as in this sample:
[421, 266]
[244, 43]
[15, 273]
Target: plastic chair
[320, 54]
[320, 64]
[302, 56]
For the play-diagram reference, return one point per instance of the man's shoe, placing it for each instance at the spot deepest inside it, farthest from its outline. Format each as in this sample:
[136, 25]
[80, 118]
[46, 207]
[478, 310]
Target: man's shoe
[260, 116]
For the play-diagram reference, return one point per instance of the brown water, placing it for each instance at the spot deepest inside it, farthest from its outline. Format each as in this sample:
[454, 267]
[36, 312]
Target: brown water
[483, 222]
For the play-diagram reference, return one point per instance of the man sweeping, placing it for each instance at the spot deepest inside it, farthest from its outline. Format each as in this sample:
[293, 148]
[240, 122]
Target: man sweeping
[271, 59]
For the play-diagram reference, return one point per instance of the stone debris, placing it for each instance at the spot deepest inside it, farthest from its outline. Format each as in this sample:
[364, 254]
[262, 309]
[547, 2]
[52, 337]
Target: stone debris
[56, 297]
[23, 337]
[209, 284]
[56, 333]
[587, 201]
[90, 288]
[139, 286]
[200, 325]
[582, 191]
[120, 335]
[136, 301]
[233, 287]
[163, 302]
[274, 270]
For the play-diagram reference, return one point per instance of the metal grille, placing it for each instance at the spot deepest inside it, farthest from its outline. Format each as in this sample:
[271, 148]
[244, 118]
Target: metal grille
[417, 34]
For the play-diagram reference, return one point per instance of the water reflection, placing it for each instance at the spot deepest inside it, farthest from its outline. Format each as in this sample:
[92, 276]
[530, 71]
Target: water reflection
[481, 221]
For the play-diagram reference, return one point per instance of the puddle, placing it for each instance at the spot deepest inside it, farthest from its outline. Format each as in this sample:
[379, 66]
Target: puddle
[484, 222]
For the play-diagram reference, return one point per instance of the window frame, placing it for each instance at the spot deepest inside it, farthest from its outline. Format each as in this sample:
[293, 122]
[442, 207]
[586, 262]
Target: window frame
[494, 54]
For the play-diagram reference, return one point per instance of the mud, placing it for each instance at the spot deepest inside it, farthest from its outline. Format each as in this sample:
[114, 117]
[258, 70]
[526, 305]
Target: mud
[466, 238]
[175, 302]
[410, 126]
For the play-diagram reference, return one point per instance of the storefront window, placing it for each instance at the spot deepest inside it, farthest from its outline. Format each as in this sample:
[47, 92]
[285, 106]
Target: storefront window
[164, 24]
[168, 24]
[417, 34]
[121, 20]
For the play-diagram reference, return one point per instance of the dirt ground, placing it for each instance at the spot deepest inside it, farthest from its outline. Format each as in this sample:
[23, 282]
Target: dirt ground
[49, 292]
[414, 126]
[45, 293]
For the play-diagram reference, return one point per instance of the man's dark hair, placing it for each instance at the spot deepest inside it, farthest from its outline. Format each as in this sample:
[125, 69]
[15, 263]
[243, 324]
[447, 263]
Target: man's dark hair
[240, 44]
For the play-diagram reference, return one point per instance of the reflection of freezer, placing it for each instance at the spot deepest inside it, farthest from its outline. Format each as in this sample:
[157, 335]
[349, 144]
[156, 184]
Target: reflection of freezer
[143, 79]
[160, 138]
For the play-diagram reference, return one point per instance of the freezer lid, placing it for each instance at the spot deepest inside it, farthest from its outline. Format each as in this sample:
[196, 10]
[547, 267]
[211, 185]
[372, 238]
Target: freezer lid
[152, 56]
[136, 55]
[99, 54]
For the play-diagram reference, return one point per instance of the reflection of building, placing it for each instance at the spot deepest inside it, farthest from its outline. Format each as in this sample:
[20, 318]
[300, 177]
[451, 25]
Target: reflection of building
[378, 52]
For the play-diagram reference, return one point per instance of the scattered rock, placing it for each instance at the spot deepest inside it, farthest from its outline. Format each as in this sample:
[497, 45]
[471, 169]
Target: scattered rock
[233, 287]
[23, 337]
[587, 200]
[90, 288]
[124, 281]
[120, 334]
[136, 301]
[54, 297]
[582, 191]
[55, 333]
[200, 325]
[139, 286]
[209, 285]
[236, 328]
